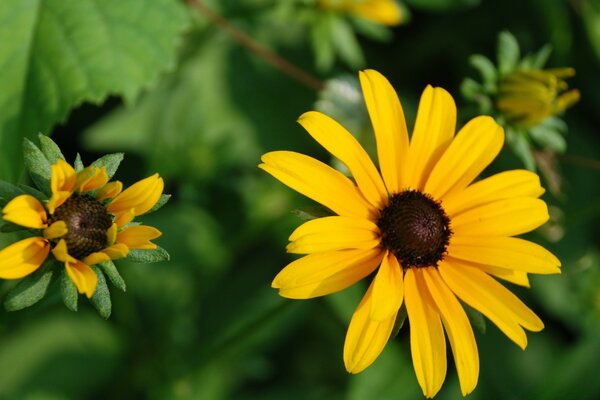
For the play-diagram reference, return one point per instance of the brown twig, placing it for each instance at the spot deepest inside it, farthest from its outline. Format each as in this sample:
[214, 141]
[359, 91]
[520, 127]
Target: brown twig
[581, 161]
[246, 41]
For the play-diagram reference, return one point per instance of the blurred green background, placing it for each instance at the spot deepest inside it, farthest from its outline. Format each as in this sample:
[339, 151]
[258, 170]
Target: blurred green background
[161, 82]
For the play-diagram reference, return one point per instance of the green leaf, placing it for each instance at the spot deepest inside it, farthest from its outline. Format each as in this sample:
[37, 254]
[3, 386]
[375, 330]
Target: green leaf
[111, 271]
[37, 165]
[548, 138]
[164, 198]
[68, 291]
[30, 289]
[538, 60]
[50, 149]
[308, 213]
[101, 297]
[57, 54]
[8, 191]
[148, 256]
[487, 69]
[34, 192]
[508, 53]
[111, 162]
[78, 163]
[346, 44]
[520, 146]
[322, 42]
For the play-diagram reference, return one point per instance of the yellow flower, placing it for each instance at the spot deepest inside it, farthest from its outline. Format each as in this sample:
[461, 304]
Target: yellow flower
[527, 97]
[83, 223]
[427, 233]
[385, 12]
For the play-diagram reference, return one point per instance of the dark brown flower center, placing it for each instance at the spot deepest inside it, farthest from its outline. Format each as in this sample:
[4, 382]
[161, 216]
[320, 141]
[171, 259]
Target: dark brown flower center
[415, 228]
[87, 221]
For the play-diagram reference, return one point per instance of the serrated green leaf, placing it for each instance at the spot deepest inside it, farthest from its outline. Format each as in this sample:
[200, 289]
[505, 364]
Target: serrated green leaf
[50, 149]
[164, 198]
[508, 53]
[78, 163]
[148, 256]
[8, 191]
[111, 271]
[37, 165]
[487, 69]
[30, 289]
[548, 138]
[101, 298]
[111, 162]
[68, 291]
[58, 54]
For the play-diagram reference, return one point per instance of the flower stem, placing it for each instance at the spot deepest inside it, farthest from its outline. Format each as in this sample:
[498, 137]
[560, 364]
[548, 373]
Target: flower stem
[248, 42]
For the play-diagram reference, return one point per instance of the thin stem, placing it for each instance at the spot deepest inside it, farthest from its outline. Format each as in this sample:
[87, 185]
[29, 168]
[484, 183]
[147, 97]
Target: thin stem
[246, 41]
[581, 161]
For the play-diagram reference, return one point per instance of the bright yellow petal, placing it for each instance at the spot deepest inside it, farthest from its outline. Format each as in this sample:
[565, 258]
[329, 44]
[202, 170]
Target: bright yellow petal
[324, 273]
[122, 218]
[61, 252]
[141, 196]
[505, 185]
[91, 178]
[385, 12]
[427, 341]
[473, 149]
[388, 289]
[433, 132]
[83, 277]
[501, 218]
[365, 338]
[387, 118]
[333, 233]
[317, 181]
[96, 258]
[517, 277]
[341, 144]
[62, 182]
[22, 258]
[56, 200]
[113, 252]
[27, 211]
[138, 237]
[110, 190]
[458, 327]
[56, 230]
[504, 252]
[482, 292]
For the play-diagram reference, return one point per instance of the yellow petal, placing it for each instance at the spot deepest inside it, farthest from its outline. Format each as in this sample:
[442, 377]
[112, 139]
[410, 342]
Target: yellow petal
[317, 181]
[387, 118]
[61, 252]
[427, 341]
[458, 327]
[62, 182]
[517, 277]
[385, 12]
[473, 149]
[56, 200]
[27, 211]
[111, 234]
[323, 273]
[505, 185]
[433, 132]
[493, 300]
[22, 258]
[504, 252]
[122, 218]
[113, 252]
[501, 218]
[95, 258]
[365, 338]
[333, 233]
[341, 144]
[83, 277]
[91, 178]
[138, 237]
[110, 190]
[388, 289]
[141, 196]
[56, 230]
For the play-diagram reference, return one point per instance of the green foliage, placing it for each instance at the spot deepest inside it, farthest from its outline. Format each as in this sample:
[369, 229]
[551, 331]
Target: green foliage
[148, 256]
[30, 289]
[68, 291]
[101, 298]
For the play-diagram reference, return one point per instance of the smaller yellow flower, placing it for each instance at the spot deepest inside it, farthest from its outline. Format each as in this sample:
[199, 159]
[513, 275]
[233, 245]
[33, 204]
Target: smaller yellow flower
[84, 222]
[385, 12]
[527, 97]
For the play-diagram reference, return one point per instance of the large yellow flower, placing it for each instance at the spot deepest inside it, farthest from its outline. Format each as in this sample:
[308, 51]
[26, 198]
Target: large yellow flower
[85, 221]
[427, 233]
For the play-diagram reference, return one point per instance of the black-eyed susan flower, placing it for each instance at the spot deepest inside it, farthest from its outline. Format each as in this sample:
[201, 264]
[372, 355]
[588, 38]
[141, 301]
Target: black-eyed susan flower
[427, 233]
[86, 220]
[384, 12]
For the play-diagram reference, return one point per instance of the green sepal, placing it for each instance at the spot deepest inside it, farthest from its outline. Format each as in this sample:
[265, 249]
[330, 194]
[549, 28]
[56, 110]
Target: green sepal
[372, 29]
[50, 149]
[9, 227]
[101, 298]
[539, 59]
[400, 319]
[30, 289]
[111, 271]
[476, 319]
[548, 138]
[487, 69]
[78, 165]
[33, 192]
[306, 214]
[37, 165]
[148, 256]
[346, 44]
[111, 162]
[163, 199]
[322, 43]
[508, 53]
[68, 291]
[519, 144]
[8, 191]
